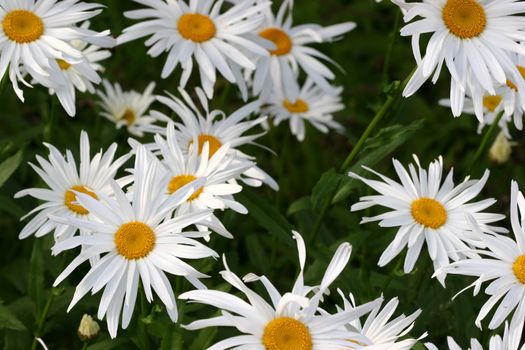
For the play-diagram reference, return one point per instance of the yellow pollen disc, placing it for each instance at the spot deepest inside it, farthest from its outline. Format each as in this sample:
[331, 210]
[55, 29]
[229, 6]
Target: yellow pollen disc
[300, 106]
[519, 268]
[181, 180]
[213, 142]
[63, 64]
[134, 240]
[70, 198]
[491, 102]
[128, 116]
[511, 84]
[429, 212]
[196, 27]
[465, 19]
[22, 26]
[281, 40]
[286, 333]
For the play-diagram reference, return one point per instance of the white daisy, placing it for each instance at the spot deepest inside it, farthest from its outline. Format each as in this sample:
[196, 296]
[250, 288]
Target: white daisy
[64, 180]
[216, 192]
[290, 321]
[382, 334]
[292, 52]
[504, 263]
[496, 343]
[128, 108]
[200, 31]
[136, 242]
[473, 38]
[37, 32]
[217, 129]
[312, 105]
[427, 210]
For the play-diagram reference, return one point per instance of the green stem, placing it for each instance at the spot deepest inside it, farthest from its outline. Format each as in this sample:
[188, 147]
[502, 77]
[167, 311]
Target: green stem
[85, 346]
[48, 128]
[391, 45]
[484, 142]
[392, 274]
[41, 320]
[143, 332]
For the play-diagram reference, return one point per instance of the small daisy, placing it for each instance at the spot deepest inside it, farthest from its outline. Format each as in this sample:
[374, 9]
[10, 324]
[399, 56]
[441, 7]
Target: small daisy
[503, 262]
[217, 129]
[292, 50]
[312, 105]
[217, 40]
[290, 321]
[216, 192]
[128, 108]
[427, 210]
[381, 333]
[136, 243]
[474, 39]
[35, 34]
[65, 180]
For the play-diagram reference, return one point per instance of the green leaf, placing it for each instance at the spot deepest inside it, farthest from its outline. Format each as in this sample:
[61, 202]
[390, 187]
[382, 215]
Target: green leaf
[324, 189]
[9, 321]
[9, 166]
[203, 341]
[109, 344]
[9, 206]
[299, 205]
[36, 286]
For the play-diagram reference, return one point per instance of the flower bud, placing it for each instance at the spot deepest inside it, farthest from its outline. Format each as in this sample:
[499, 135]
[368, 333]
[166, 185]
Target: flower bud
[88, 328]
[501, 150]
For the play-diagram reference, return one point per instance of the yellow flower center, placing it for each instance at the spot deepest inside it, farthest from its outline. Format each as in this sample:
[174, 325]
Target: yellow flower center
[181, 180]
[134, 240]
[465, 19]
[196, 27]
[511, 84]
[285, 333]
[429, 212]
[300, 106]
[22, 26]
[519, 268]
[128, 116]
[70, 199]
[491, 102]
[213, 142]
[63, 64]
[281, 40]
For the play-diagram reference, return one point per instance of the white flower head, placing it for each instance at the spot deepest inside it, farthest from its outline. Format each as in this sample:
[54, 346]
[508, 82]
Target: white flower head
[64, 179]
[428, 210]
[137, 244]
[291, 320]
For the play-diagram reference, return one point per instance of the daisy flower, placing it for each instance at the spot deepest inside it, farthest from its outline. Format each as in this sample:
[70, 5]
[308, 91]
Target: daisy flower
[427, 210]
[65, 180]
[291, 320]
[496, 343]
[312, 105]
[35, 34]
[136, 244]
[381, 333]
[216, 192]
[217, 129]
[292, 50]
[217, 40]
[128, 108]
[473, 39]
[504, 263]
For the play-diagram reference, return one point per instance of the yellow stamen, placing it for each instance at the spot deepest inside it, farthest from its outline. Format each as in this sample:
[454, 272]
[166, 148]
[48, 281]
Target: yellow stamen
[519, 268]
[510, 84]
[129, 116]
[281, 40]
[286, 333]
[196, 27]
[134, 240]
[63, 64]
[429, 212]
[181, 180]
[70, 199]
[300, 106]
[213, 142]
[22, 26]
[465, 19]
[491, 102]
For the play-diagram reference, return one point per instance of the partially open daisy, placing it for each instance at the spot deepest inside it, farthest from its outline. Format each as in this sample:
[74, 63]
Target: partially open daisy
[473, 38]
[136, 244]
[503, 262]
[291, 50]
[200, 31]
[35, 33]
[426, 210]
[128, 108]
[312, 106]
[381, 332]
[291, 320]
[214, 127]
[64, 181]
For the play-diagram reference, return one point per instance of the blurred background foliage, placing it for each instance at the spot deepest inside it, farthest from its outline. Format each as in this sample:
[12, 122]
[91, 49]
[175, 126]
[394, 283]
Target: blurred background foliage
[262, 243]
